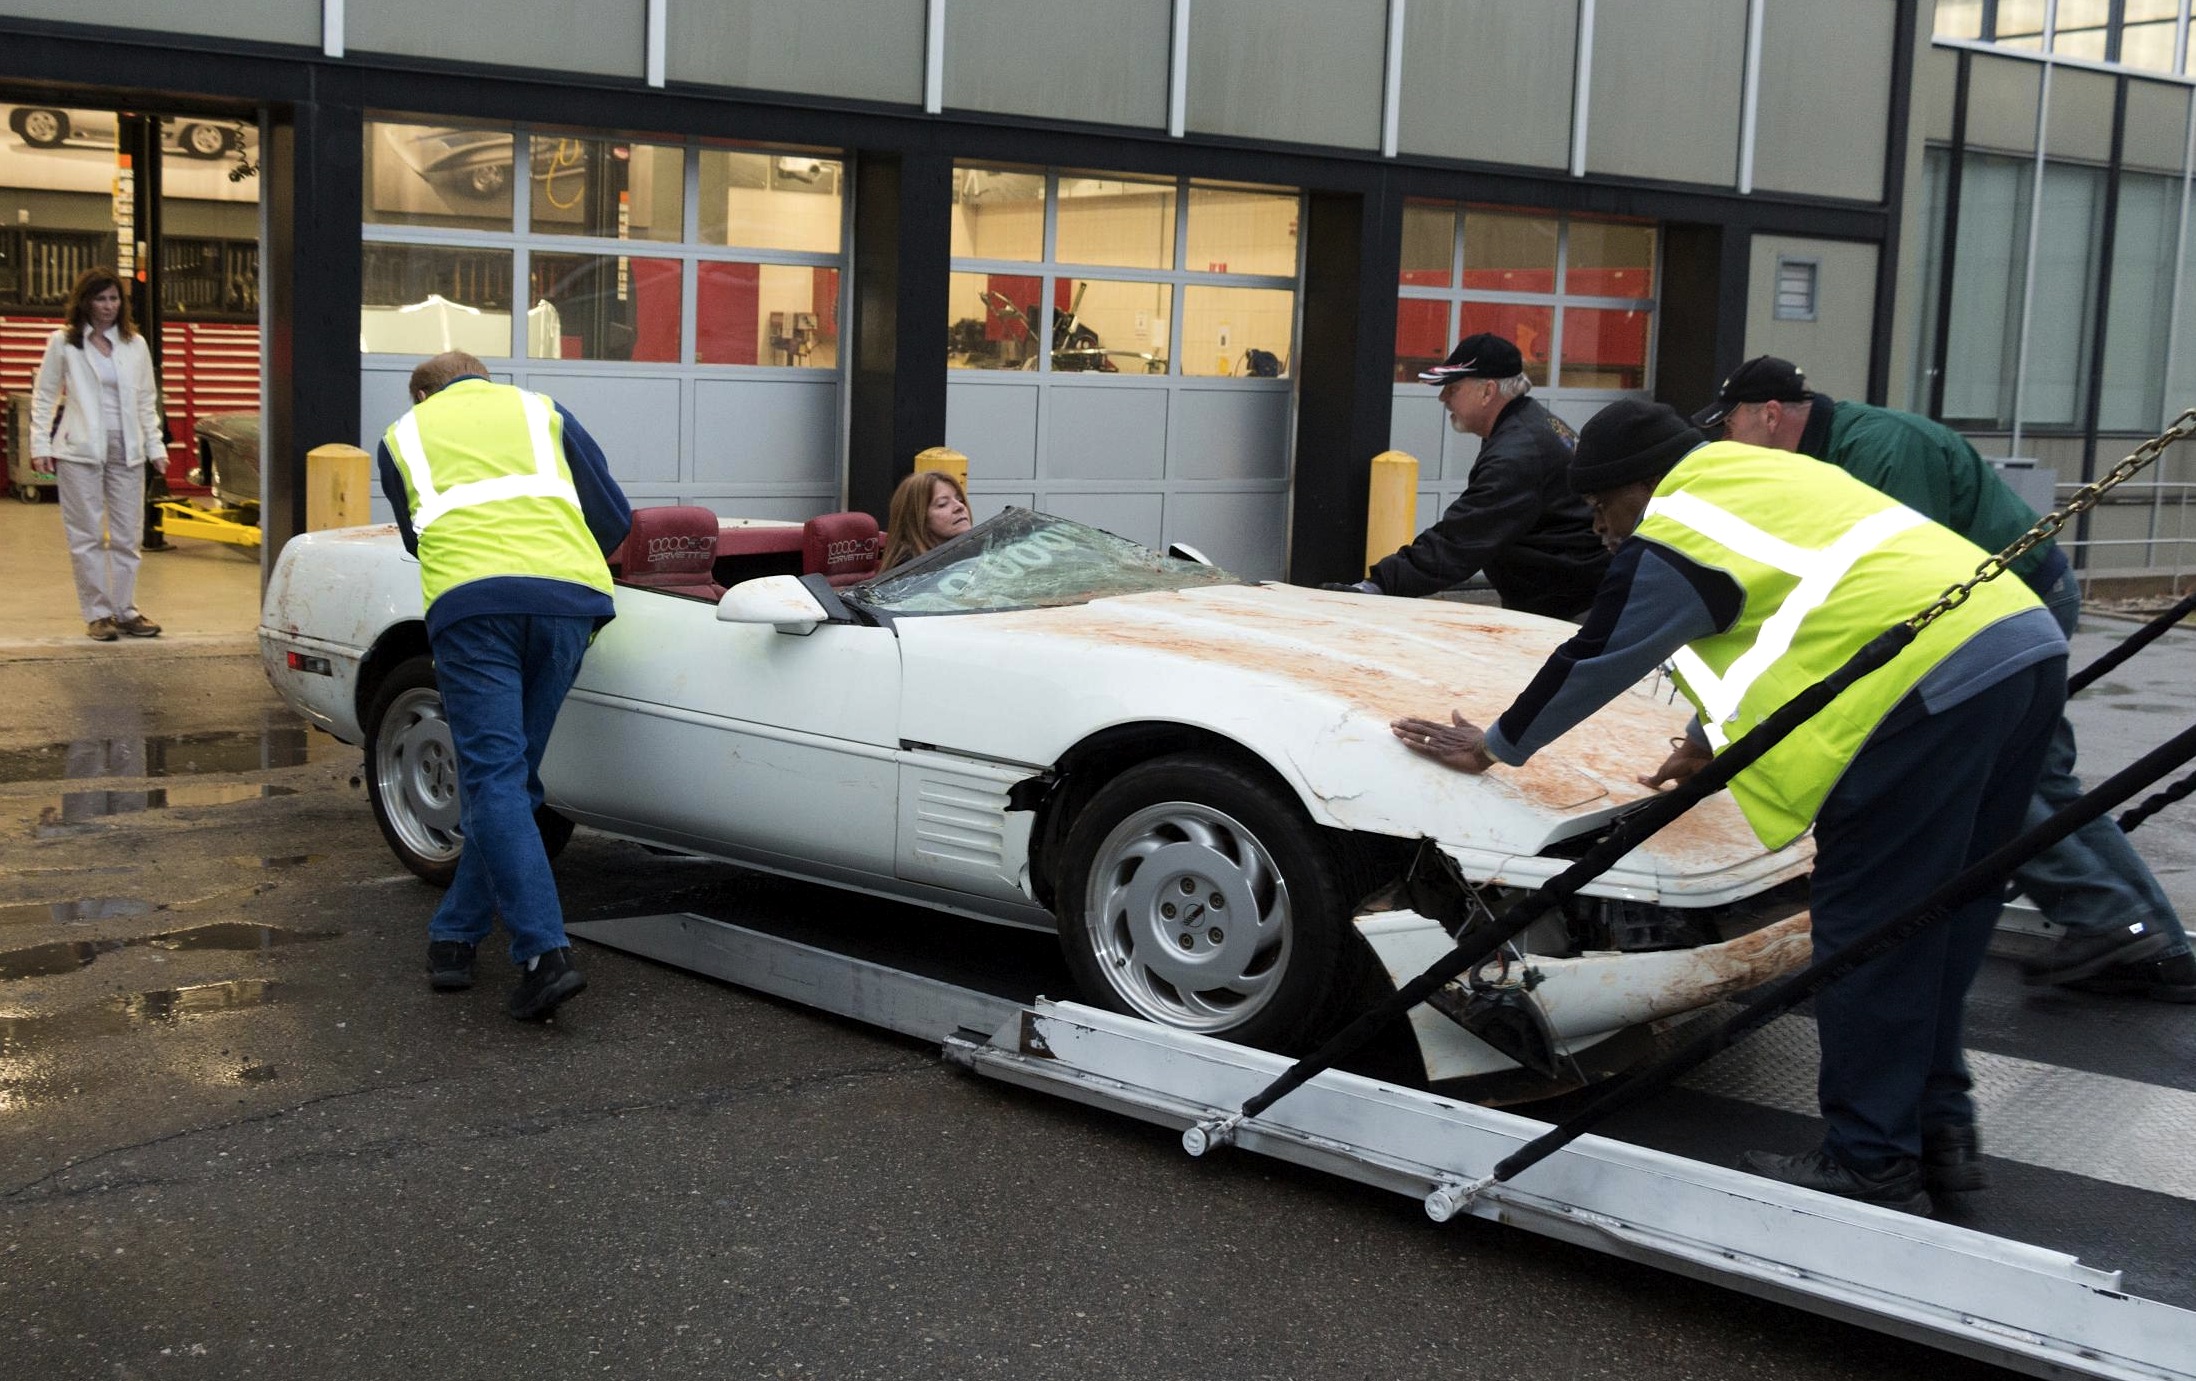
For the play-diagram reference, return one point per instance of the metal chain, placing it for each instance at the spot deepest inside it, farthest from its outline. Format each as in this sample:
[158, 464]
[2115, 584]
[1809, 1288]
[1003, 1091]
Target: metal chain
[2048, 526]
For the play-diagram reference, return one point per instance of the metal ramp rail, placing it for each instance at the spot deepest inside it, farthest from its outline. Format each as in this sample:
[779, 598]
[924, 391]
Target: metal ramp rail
[2019, 1306]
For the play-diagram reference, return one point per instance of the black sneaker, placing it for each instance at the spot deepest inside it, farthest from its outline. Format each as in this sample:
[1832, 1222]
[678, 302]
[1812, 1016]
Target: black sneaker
[2171, 979]
[1952, 1160]
[544, 984]
[449, 966]
[2079, 956]
[1901, 1187]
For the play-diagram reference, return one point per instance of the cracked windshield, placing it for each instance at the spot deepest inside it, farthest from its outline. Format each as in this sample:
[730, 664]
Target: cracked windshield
[1026, 560]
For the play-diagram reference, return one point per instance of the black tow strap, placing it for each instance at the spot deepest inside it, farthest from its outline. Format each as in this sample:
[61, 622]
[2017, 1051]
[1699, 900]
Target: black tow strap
[1982, 878]
[2136, 642]
[1476, 944]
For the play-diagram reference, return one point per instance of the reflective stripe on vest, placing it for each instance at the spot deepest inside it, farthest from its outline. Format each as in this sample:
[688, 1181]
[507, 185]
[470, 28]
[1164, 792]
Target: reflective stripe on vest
[547, 481]
[1818, 572]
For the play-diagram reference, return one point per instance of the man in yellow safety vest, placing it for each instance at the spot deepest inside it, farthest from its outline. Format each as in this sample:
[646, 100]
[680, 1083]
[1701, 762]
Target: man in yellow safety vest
[1757, 575]
[510, 507]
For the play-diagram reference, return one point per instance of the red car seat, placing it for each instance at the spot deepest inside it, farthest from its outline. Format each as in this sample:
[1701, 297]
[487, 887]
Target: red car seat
[844, 548]
[672, 548]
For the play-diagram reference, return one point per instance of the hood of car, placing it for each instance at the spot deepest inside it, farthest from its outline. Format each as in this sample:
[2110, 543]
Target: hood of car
[1311, 680]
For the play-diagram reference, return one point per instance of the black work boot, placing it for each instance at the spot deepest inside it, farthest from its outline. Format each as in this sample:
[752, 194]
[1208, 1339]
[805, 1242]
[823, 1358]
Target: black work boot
[2080, 956]
[1899, 1187]
[449, 966]
[1952, 1160]
[546, 982]
[2171, 979]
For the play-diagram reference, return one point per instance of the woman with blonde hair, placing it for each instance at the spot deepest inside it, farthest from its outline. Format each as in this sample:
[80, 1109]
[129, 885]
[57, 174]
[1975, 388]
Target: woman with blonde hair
[928, 507]
[95, 421]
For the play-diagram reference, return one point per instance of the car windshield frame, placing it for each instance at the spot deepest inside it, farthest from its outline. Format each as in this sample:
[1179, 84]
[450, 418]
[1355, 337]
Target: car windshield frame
[1022, 559]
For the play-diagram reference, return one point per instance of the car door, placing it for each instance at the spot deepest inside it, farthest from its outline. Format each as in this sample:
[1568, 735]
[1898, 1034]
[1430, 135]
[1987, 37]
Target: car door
[734, 738]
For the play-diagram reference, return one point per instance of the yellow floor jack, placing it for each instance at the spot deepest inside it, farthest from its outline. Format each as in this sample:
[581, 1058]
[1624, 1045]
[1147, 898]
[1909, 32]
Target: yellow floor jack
[210, 519]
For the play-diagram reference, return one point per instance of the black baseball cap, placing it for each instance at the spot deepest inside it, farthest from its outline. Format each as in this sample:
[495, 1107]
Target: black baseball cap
[1762, 379]
[1482, 356]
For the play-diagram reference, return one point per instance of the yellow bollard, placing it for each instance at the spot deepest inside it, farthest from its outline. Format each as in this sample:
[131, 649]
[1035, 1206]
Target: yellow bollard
[1391, 516]
[947, 459]
[338, 487]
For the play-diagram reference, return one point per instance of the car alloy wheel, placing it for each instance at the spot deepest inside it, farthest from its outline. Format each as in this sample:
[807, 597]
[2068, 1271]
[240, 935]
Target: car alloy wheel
[42, 128]
[203, 141]
[415, 772]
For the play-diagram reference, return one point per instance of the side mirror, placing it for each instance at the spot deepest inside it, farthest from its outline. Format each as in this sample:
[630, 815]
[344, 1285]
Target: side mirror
[778, 600]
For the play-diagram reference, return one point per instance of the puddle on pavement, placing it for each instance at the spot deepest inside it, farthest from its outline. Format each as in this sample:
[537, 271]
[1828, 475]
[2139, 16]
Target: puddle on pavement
[163, 1006]
[164, 755]
[79, 806]
[67, 956]
[76, 912]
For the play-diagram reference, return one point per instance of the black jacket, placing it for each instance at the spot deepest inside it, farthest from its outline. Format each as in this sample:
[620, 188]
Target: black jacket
[1517, 520]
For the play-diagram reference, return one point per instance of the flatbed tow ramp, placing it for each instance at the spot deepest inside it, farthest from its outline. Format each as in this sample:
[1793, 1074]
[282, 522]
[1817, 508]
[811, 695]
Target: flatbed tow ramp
[1985, 1296]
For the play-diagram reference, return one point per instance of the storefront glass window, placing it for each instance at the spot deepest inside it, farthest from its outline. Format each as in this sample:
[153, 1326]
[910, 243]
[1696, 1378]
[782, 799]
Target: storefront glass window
[1429, 245]
[1529, 327]
[602, 307]
[1959, 18]
[1112, 327]
[608, 188]
[1504, 252]
[2139, 318]
[771, 201]
[1609, 259]
[1116, 222]
[1237, 332]
[1604, 348]
[1233, 231]
[425, 299]
[441, 175]
[785, 315]
[998, 213]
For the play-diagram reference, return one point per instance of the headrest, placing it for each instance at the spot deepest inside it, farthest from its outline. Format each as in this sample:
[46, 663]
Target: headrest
[841, 544]
[670, 541]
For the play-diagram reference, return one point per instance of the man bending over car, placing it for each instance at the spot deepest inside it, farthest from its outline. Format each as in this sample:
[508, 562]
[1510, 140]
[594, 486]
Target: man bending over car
[510, 508]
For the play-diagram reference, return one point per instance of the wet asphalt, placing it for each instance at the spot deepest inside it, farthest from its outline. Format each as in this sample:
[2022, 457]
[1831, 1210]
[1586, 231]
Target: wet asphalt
[239, 1136]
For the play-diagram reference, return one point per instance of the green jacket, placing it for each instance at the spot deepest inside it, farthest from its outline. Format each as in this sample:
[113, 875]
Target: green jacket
[1926, 466]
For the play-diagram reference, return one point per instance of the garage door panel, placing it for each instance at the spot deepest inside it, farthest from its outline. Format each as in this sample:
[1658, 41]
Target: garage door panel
[995, 426]
[1243, 532]
[1134, 516]
[635, 421]
[1233, 434]
[1104, 433]
[766, 431]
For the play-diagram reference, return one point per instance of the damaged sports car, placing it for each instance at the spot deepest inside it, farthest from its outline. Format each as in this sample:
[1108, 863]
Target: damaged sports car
[1187, 776]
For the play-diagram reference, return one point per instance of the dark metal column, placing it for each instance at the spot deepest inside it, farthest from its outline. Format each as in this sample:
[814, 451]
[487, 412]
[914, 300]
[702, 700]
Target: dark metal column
[138, 136]
[1345, 367]
[313, 206]
[1702, 320]
[1894, 200]
[2107, 233]
[1940, 347]
[903, 245]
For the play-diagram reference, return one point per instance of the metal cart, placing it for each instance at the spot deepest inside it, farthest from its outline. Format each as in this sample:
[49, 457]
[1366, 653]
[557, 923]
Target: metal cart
[25, 483]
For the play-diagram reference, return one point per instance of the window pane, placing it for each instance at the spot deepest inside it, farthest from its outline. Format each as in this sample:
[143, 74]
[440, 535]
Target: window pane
[603, 307]
[608, 187]
[2021, 19]
[1936, 163]
[438, 175]
[2066, 266]
[998, 213]
[2148, 46]
[1610, 259]
[2140, 315]
[1112, 328]
[2080, 43]
[991, 316]
[1959, 18]
[1530, 328]
[1509, 253]
[766, 314]
[1986, 285]
[1237, 331]
[1110, 221]
[1233, 231]
[1421, 337]
[421, 301]
[770, 201]
[1429, 245]
[1604, 347]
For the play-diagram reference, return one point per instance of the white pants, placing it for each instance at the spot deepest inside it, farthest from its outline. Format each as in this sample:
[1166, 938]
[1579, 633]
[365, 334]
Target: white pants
[103, 513]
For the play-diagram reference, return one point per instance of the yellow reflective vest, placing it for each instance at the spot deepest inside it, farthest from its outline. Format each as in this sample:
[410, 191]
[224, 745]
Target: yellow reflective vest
[1826, 564]
[490, 492]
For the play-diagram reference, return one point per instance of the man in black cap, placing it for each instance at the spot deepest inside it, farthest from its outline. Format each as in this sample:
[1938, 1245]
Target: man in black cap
[1516, 519]
[1757, 576]
[2122, 934]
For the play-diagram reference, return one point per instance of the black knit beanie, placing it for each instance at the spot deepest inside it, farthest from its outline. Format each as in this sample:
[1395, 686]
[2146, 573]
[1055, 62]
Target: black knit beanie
[1626, 442]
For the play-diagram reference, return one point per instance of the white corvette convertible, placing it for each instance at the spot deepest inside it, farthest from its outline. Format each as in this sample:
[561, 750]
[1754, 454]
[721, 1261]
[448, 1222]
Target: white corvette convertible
[1189, 777]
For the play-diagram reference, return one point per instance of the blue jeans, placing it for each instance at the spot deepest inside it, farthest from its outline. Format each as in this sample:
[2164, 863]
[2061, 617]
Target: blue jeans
[503, 679]
[1923, 800]
[2093, 880]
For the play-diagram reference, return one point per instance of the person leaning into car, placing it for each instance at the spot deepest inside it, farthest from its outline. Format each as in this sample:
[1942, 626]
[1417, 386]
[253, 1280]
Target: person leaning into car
[96, 403]
[1515, 520]
[1759, 574]
[510, 508]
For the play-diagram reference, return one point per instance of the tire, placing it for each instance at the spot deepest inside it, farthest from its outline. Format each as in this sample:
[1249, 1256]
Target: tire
[41, 128]
[1145, 861]
[202, 141]
[486, 180]
[411, 772]
[413, 784]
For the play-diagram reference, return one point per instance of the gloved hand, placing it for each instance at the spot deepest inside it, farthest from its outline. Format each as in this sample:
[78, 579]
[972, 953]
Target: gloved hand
[1362, 587]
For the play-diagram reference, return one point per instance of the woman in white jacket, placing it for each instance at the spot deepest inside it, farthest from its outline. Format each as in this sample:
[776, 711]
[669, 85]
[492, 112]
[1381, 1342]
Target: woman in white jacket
[95, 419]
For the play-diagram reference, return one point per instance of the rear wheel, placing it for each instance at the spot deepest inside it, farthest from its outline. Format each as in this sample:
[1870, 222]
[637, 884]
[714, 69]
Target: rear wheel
[411, 772]
[202, 141]
[1199, 896]
[42, 128]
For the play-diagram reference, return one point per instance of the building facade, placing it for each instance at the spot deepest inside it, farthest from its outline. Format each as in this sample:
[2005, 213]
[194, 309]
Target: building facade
[1168, 266]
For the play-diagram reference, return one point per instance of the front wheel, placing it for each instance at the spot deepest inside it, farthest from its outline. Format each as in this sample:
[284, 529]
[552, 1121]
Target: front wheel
[1200, 897]
[42, 128]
